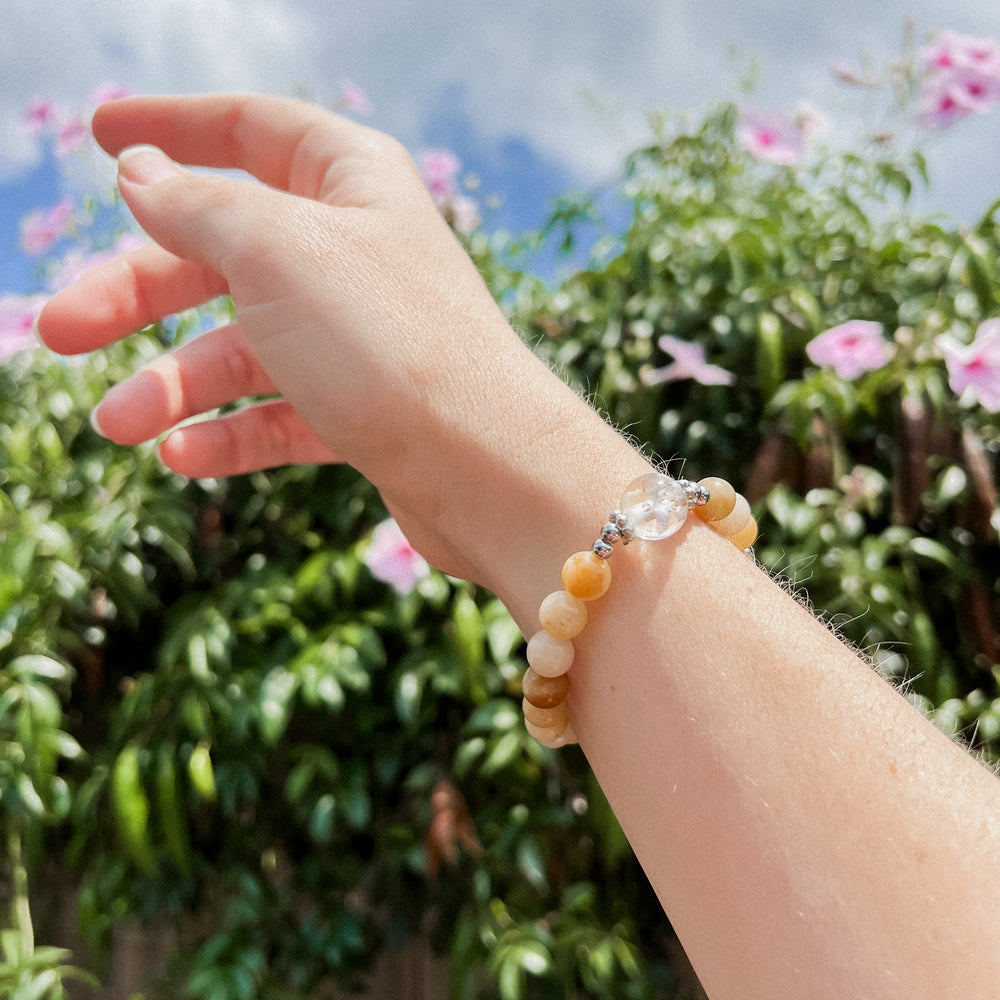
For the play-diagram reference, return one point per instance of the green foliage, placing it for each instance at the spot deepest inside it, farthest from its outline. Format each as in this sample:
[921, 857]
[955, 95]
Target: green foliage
[876, 496]
[216, 717]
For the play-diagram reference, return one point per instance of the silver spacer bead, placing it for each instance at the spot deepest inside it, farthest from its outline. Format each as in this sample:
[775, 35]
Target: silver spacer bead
[697, 495]
[602, 549]
[611, 533]
[618, 520]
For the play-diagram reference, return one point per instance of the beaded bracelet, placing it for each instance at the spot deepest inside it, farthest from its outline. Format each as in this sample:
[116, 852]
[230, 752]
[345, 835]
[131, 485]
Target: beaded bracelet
[654, 506]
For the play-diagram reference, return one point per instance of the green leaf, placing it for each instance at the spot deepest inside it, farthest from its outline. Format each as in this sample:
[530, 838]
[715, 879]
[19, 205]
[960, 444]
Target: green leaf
[37, 667]
[276, 702]
[928, 548]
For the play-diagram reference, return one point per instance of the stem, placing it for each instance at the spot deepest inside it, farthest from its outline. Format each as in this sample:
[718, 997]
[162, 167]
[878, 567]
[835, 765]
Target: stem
[20, 907]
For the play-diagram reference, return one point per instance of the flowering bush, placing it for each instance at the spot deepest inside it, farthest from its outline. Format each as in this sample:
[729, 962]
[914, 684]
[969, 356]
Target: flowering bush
[249, 710]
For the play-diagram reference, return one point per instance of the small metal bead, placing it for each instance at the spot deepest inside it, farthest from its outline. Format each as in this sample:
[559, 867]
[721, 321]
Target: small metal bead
[620, 521]
[696, 494]
[611, 533]
[602, 548]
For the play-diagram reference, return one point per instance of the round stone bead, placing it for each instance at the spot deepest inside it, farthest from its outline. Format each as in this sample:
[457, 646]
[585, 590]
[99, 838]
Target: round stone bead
[563, 615]
[546, 718]
[654, 506]
[721, 499]
[549, 656]
[552, 738]
[586, 575]
[736, 520]
[544, 692]
[746, 536]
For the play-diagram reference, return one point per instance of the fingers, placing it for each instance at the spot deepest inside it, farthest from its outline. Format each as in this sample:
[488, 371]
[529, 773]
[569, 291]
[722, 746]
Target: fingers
[288, 145]
[123, 296]
[258, 437]
[214, 369]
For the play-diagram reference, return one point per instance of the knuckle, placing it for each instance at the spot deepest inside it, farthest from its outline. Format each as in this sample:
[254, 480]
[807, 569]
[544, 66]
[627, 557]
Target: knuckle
[274, 430]
[240, 366]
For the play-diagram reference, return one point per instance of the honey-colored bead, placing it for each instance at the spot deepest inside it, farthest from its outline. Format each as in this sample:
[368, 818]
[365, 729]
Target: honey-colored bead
[544, 692]
[552, 738]
[548, 655]
[721, 499]
[586, 575]
[736, 521]
[745, 537]
[563, 615]
[546, 718]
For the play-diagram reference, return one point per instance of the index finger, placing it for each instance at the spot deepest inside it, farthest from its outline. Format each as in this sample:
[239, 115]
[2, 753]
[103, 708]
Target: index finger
[287, 144]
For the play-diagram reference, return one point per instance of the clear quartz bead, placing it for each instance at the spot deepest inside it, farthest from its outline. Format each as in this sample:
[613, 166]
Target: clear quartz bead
[654, 506]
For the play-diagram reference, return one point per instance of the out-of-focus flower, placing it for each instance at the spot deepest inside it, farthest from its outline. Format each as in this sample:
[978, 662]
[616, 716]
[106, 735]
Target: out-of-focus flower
[850, 349]
[950, 50]
[974, 369]
[810, 120]
[17, 322]
[947, 97]
[39, 114]
[71, 134]
[353, 98]
[439, 168]
[391, 559]
[79, 260]
[109, 92]
[463, 213]
[42, 229]
[845, 74]
[689, 362]
[771, 136]
[961, 77]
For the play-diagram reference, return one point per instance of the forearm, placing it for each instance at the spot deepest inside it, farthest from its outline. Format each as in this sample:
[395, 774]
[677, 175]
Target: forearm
[808, 832]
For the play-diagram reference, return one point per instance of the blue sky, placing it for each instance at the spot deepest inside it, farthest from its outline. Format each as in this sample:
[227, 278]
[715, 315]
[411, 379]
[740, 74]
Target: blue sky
[537, 97]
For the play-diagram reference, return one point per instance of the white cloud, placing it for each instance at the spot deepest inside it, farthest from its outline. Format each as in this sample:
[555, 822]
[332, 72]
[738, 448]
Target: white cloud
[575, 79]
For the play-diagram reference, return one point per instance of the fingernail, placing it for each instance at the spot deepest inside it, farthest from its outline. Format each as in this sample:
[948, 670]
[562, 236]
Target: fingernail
[95, 422]
[146, 165]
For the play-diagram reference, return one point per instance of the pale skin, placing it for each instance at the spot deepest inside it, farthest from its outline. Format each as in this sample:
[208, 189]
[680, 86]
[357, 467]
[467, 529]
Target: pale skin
[809, 834]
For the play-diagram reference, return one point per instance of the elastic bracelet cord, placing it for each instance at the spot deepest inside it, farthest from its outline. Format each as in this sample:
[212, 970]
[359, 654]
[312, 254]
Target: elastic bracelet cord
[653, 506]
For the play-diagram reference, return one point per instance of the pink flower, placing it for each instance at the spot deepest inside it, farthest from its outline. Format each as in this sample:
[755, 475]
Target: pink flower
[950, 50]
[17, 322]
[353, 98]
[961, 77]
[439, 169]
[689, 362]
[850, 349]
[391, 559]
[463, 214]
[39, 114]
[109, 92]
[71, 134]
[41, 230]
[771, 137]
[974, 369]
[946, 97]
[78, 260]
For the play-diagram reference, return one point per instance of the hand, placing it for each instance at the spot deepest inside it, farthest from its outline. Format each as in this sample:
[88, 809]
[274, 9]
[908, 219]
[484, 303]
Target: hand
[354, 304]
